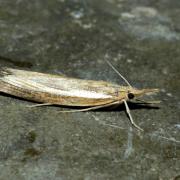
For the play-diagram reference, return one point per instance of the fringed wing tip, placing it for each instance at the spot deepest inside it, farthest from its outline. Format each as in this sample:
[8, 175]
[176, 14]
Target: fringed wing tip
[4, 71]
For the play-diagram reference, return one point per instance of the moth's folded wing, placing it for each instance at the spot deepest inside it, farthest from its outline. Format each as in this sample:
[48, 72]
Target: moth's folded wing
[57, 89]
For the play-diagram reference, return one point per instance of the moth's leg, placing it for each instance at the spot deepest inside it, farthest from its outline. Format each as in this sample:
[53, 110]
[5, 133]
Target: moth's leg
[38, 105]
[130, 117]
[91, 108]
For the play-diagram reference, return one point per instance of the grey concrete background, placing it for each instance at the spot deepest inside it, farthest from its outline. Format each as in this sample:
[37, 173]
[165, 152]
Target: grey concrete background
[141, 38]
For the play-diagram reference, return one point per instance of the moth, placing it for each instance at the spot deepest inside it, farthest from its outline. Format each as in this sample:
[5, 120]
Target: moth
[49, 89]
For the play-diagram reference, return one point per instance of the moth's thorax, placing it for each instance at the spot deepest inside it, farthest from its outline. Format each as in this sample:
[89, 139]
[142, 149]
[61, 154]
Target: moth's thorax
[122, 92]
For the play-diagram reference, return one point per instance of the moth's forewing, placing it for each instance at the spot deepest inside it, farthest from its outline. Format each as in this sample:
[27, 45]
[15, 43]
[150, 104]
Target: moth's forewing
[57, 89]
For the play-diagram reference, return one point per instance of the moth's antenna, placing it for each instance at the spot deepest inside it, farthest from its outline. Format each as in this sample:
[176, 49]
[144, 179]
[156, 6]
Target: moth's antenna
[118, 73]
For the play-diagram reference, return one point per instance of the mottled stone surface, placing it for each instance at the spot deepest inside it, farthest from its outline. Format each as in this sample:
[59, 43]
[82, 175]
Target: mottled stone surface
[141, 39]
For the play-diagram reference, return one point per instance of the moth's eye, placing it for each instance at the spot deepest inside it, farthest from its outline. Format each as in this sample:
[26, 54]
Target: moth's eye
[130, 95]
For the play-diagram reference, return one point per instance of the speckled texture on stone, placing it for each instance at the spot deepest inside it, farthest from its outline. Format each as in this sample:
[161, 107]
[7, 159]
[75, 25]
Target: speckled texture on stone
[141, 39]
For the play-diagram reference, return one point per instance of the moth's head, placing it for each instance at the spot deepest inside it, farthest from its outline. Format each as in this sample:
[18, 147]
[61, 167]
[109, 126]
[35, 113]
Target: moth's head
[133, 93]
[130, 93]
